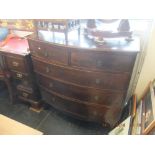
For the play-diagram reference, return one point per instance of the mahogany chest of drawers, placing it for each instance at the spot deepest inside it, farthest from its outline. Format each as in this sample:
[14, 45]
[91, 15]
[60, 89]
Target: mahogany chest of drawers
[88, 83]
[18, 62]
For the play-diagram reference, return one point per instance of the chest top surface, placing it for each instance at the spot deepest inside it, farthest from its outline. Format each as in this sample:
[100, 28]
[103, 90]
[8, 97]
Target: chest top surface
[112, 44]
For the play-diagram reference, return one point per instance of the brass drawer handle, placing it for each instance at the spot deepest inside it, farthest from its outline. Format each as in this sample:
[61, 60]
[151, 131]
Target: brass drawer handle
[39, 48]
[25, 94]
[15, 64]
[97, 81]
[19, 75]
[47, 70]
[96, 98]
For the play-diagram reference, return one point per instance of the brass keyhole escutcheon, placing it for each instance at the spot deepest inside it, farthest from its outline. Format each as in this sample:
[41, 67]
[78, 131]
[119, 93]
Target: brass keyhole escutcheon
[25, 95]
[15, 64]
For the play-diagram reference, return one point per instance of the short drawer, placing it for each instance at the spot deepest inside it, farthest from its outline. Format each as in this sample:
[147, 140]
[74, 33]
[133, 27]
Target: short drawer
[18, 75]
[49, 52]
[27, 92]
[101, 80]
[87, 112]
[107, 61]
[90, 95]
[17, 64]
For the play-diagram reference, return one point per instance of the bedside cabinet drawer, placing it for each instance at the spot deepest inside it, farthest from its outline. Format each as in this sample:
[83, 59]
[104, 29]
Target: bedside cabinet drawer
[106, 61]
[27, 92]
[19, 75]
[17, 64]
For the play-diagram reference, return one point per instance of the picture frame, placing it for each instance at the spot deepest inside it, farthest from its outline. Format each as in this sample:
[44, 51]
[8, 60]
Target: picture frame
[123, 128]
[137, 120]
[148, 122]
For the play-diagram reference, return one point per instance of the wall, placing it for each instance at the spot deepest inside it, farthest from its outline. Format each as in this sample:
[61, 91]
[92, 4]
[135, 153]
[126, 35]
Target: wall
[148, 69]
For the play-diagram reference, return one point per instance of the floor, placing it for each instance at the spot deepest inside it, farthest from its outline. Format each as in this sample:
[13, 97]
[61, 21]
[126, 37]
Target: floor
[49, 121]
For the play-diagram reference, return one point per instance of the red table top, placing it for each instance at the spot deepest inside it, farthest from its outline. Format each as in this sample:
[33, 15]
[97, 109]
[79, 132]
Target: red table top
[16, 45]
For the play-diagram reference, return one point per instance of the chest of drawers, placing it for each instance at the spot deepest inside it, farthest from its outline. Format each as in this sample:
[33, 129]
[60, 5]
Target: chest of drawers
[18, 63]
[89, 83]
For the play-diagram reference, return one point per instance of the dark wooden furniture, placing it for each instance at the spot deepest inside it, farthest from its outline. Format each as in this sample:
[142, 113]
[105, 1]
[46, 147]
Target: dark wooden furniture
[19, 65]
[6, 77]
[83, 79]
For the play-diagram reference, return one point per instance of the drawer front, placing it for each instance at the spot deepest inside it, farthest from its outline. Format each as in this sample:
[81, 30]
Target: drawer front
[49, 52]
[25, 95]
[88, 112]
[90, 95]
[18, 75]
[83, 111]
[17, 64]
[27, 92]
[103, 61]
[99, 80]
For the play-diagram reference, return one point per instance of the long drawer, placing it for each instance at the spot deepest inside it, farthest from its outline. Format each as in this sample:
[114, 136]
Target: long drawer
[101, 80]
[89, 112]
[107, 61]
[56, 54]
[90, 95]
[82, 111]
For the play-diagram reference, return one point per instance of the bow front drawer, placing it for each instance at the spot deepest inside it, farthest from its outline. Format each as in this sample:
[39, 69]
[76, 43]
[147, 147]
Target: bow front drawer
[53, 53]
[101, 80]
[107, 61]
[89, 95]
